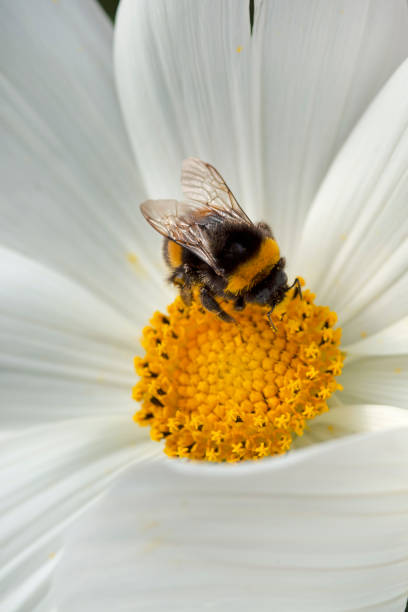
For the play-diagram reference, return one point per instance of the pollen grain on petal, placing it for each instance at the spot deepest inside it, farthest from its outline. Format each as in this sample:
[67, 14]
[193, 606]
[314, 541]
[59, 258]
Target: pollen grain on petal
[134, 261]
[220, 391]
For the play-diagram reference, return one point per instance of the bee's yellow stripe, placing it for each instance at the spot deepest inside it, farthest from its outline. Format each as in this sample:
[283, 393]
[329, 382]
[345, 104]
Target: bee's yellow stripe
[262, 262]
[174, 251]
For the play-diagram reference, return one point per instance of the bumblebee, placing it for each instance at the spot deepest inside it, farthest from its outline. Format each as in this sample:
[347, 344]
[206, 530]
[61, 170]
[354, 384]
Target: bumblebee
[211, 245]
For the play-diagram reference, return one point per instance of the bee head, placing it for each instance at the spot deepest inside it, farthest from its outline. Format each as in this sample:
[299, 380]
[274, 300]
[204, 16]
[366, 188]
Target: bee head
[272, 289]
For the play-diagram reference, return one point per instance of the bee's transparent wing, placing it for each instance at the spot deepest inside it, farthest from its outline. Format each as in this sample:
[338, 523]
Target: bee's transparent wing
[202, 183]
[182, 222]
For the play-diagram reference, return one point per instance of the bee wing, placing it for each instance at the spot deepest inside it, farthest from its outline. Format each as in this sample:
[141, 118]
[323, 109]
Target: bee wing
[182, 222]
[202, 183]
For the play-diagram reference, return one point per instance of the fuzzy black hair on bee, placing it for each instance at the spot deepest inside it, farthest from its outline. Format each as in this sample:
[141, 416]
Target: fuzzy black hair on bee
[211, 245]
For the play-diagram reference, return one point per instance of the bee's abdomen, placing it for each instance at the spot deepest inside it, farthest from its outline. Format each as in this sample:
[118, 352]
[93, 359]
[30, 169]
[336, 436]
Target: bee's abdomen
[255, 268]
[173, 254]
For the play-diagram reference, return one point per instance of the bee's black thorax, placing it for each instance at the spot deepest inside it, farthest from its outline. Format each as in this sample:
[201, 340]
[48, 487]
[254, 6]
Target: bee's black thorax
[234, 244]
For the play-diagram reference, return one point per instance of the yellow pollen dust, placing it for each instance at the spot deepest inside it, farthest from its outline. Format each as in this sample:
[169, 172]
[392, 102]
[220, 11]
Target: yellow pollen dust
[220, 391]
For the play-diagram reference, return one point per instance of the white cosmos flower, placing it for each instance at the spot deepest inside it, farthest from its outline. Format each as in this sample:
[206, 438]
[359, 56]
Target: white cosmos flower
[323, 528]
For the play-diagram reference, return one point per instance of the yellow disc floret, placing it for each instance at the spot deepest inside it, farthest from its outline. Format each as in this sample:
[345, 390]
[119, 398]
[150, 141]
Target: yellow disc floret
[231, 391]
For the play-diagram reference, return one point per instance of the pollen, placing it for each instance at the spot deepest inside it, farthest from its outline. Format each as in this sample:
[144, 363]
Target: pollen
[220, 391]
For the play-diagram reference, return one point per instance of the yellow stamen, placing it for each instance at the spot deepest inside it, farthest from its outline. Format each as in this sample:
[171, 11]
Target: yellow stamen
[231, 391]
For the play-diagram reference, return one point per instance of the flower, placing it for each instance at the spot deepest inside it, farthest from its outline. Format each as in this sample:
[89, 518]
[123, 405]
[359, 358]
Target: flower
[218, 391]
[320, 528]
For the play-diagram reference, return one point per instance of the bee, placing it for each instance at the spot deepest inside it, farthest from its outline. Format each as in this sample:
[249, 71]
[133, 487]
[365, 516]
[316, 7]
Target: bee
[210, 245]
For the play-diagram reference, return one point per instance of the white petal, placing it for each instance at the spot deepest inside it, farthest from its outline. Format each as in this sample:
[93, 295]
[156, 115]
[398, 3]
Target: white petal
[345, 419]
[70, 192]
[354, 251]
[376, 380]
[268, 111]
[320, 529]
[64, 352]
[390, 341]
[48, 477]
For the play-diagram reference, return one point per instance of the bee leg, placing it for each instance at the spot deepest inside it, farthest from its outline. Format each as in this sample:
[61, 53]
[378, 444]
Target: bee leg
[177, 278]
[298, 290]
[211, 304]
[186, 294]
[271, 323]
[239, 303]
[180, 280]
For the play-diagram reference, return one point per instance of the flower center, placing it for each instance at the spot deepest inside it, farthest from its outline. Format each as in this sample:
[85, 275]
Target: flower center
[231, 391]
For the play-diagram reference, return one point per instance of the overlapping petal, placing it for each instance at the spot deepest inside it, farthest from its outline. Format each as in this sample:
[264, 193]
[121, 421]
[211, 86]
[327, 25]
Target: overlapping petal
[320, 529]
[70, 189]
[65, 353]
[49, 475]
[347, 419]
[377, 379]
[392, 340]
[359, 220]
[269, 110]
